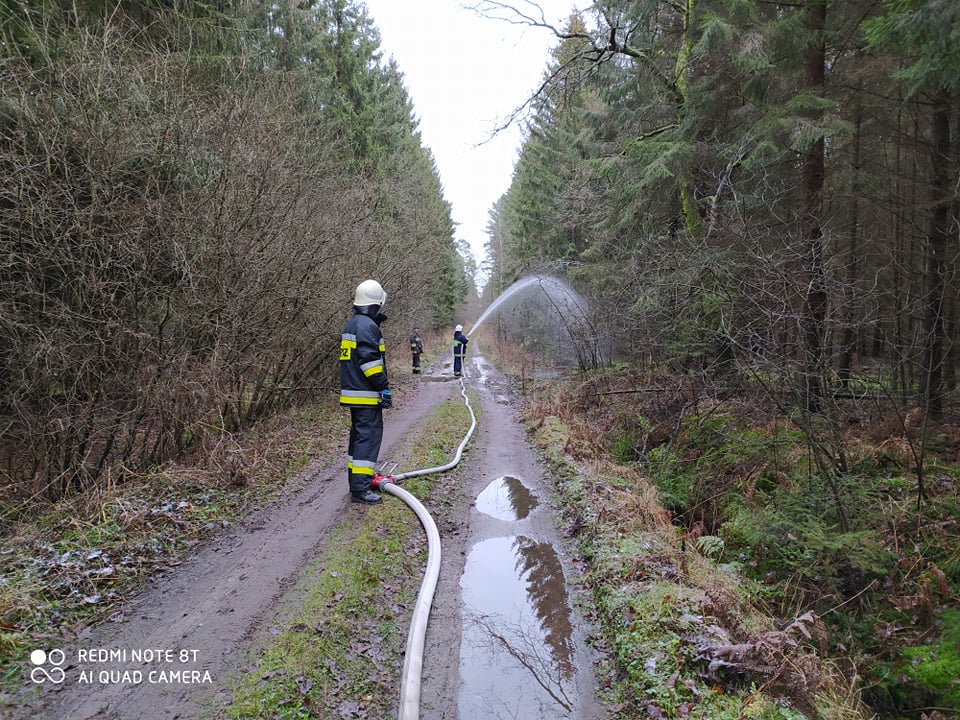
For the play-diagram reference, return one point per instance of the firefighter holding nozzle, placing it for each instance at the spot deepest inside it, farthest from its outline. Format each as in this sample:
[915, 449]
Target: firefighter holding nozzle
[459, 350]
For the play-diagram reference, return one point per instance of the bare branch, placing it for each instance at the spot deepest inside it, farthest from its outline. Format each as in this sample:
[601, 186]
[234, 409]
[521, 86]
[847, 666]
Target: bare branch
[610, 41]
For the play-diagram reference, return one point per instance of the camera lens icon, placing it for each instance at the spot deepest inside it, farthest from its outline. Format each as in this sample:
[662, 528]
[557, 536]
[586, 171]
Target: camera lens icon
[41, 674]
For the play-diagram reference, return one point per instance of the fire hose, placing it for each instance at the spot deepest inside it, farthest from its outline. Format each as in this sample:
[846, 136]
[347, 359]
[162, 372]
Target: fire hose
[413, 659]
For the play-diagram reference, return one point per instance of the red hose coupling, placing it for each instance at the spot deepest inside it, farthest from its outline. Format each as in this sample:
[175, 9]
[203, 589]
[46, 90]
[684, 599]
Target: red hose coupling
[380, 480]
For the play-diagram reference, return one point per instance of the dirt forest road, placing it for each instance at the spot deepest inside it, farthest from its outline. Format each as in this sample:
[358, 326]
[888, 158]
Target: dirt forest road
[206, 610]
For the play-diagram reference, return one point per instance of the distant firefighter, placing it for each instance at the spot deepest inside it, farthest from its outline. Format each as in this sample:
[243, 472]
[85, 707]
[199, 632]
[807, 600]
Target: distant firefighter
[416, 349]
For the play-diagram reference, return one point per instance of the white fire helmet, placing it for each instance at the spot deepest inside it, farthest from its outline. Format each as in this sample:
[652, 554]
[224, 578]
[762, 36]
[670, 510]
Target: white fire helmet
[369, 292]
[459, 328]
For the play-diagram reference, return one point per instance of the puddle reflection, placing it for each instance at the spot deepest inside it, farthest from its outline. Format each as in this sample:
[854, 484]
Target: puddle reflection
[482, 371]
[516, 657]
[506, 498]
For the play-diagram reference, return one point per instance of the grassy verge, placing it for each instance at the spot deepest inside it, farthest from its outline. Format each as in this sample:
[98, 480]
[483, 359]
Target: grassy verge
[334, 648]
[681, 633]
[69, 566]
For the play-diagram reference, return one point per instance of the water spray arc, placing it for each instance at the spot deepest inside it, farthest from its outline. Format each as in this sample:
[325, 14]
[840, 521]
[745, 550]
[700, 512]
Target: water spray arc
[563, 304]
[566, 302]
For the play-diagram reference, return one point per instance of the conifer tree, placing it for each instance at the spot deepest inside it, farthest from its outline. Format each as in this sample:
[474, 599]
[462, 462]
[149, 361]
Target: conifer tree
[924, 33]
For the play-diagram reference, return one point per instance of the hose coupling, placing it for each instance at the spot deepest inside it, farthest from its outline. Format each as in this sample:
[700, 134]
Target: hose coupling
[380, 480]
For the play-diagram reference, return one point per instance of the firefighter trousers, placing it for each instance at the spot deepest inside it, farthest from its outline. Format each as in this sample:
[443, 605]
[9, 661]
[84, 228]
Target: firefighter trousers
[366, 434]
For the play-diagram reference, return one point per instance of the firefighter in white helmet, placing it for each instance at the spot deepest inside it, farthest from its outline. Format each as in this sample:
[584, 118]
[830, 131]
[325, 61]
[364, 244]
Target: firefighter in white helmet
[364, 387]
[459, 350]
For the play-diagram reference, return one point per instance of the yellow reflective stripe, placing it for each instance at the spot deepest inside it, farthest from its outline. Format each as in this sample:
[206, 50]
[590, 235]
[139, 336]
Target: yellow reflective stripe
[358, 470]
[352, 400]
[372, 367]
[348, 343]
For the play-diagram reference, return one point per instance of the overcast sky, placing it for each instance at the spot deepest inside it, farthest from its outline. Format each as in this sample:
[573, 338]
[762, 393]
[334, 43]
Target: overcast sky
[466, 74]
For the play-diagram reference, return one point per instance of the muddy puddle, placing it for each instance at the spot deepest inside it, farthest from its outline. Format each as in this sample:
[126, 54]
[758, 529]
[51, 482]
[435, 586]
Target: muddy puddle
[506, 498]
[516, 656]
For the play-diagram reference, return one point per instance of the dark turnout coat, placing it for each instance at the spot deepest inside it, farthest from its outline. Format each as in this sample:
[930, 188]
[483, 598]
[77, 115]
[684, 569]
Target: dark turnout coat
[363, 367]
[363, 376]
[460, 344]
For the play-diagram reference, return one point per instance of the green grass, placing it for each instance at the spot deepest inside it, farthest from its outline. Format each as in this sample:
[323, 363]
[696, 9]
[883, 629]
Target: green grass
[334, 648]
[339, 644]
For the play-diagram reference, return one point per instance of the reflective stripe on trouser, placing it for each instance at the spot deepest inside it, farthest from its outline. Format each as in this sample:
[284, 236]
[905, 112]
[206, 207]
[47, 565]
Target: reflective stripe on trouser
[360, 397]
[366, 433]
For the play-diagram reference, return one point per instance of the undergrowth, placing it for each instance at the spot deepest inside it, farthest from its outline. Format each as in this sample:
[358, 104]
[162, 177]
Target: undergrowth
[718, 505]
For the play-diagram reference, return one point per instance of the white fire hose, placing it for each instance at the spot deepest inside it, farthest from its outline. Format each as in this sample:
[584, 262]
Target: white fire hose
[413, 660]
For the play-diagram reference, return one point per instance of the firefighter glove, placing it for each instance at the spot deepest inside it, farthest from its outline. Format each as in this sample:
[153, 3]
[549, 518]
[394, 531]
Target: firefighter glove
[386, 399]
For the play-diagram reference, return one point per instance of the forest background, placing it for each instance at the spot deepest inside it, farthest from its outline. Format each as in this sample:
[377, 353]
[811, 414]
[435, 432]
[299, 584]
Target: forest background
[757, 199]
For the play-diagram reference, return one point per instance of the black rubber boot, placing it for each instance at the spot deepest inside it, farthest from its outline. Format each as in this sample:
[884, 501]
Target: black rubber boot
[368, 497]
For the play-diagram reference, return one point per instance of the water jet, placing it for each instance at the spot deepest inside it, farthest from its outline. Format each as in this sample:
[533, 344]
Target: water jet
[563, 317]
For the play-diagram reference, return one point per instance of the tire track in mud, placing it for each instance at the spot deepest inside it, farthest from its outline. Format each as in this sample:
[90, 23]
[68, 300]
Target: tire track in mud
[210, 606]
